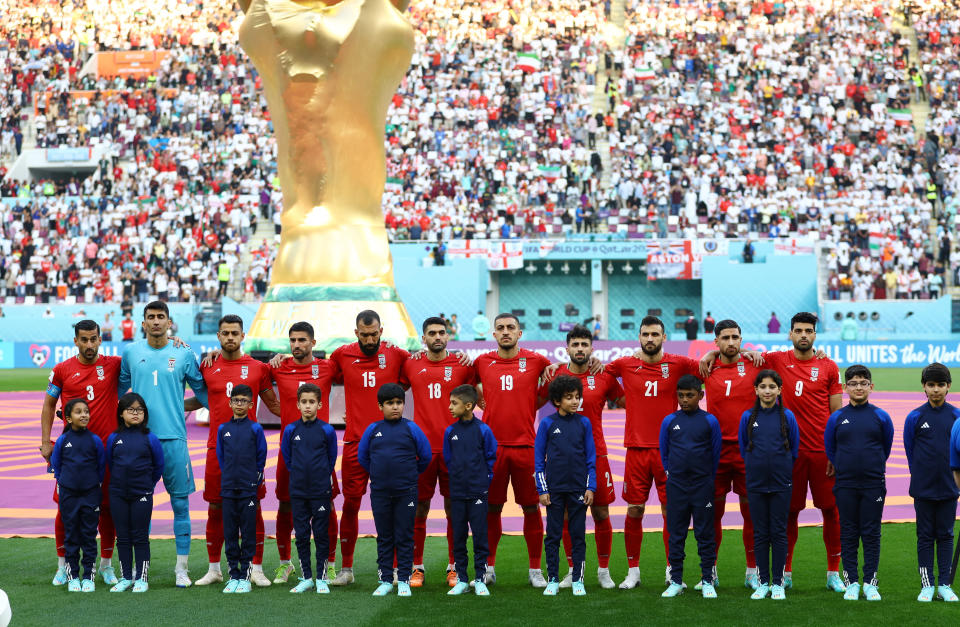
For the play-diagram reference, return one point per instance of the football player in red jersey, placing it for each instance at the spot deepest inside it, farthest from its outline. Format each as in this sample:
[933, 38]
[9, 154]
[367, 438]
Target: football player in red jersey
[650, 384]
[812, 391]
[431, 380]
[94, 378]
[362, 368]
[289, 373]
[730, 392]
[232, 368]
[509, 379]
[598, 389]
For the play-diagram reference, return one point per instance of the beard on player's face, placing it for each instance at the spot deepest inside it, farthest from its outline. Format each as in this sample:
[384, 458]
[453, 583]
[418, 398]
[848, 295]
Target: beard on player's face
[802, 344]
[437, 346]
[506, 343]
[369, 349]
[299, 352]
[652, 348]
[731, 350]
[579, 358]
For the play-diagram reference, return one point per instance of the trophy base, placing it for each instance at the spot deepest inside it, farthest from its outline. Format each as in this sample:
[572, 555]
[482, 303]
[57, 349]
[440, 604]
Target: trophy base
[332, 310]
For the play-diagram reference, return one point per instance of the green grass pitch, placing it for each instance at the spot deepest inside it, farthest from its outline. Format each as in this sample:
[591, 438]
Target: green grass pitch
[28, 565]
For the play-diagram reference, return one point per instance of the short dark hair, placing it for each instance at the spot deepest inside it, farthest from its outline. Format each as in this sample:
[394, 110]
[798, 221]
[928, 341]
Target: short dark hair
[368, 316]
[310, 388]
[301, 326]
[804, 317]
[389, 392]
[563, 385]
[650, 321]
[242, 390]
[466, 393]
[579, 332]
[501, 316]
[433, 320]
[85, 325]
[157, 305]
[857, 370]
[689, 382]
[935, 373]
[230, 319]
[723, 325]
[124, 403]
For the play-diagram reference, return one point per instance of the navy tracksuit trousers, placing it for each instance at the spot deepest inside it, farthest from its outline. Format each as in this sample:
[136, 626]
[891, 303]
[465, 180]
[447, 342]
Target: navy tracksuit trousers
[572, 504]
[466, 516]
[935, 520]
[394, 515]
[240, 533]
[684, 502]
[80, 512]
[131, 519]
[311, 514]
[769, 512]
[861, 511]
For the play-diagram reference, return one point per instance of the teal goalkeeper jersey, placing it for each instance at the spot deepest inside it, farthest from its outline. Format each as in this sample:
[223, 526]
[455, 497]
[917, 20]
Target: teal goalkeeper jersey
[160, 376]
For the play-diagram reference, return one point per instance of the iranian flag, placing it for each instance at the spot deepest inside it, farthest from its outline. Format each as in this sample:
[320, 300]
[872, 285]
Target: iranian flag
[876, 240]
[902, 117]
[550, 172]
[394, 184]
[528, 62]
[645, 74]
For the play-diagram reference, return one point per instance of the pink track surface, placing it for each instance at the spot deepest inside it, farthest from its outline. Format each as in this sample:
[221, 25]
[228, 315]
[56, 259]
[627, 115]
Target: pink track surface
[27, 507]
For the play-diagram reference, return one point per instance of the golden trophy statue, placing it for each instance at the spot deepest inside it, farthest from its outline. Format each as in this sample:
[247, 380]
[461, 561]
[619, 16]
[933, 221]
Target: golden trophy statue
[329, 69]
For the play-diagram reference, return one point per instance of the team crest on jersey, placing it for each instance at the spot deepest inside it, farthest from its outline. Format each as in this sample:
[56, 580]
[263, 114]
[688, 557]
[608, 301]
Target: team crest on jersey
[592, 382]
[814, 373]
[315, 371]
[171, 364]
[741, 369]
[244, 370]
[447, 373]
[382, 359]
[100, 375]
[523, 364]
[665, 370]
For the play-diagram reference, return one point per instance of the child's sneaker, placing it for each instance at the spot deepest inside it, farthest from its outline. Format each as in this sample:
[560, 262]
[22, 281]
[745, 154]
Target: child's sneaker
[852, 593]
[108, 575]
[946, 593]
[242, 587]
[761, 592]
[716, 580]
[926, 594]
[61, 577]
[480, 588]
[870, 592]
[382, 590]
[708, 590]
[322, 587]
[231, 586]
[282, 573]
[567, 581]
[88, 586]
[140, 585]
[302, 586]
[122, 586]
[578, 589]
[460, 588]
[834, 582]
[552, 588]
[777, 593]
[674, 589]
[403, 589]
[73, 585]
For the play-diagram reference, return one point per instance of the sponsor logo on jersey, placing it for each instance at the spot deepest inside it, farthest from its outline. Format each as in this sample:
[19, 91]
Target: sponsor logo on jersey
[100, 374]
[557, 430]
[755, 425]
[845, 422]
[143, 498]
[321, 509]
[69, 445]
[244, 371]
[296, 438]
[479, 502]
[410, 504]
[119, 442]
[523, 364]
[814, 373]
[454, 437]
[741, 369]
[925, 425]
[665, 371]
[879, 499]
[251, 504]
[75, 374]
[709, 504]
[382, 360]
[315, 371]
[378, 435]
[592, 382]
[226, 434]
[447, 373]
[171, 364]
[676, 427]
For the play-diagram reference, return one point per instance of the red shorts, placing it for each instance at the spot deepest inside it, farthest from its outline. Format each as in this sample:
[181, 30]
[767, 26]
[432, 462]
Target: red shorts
[731, 473]
[354, 476]
[283, 482]
[605, 493]
[514, 465]
[211, 480]
[642, 468]
[811, 467]
[435, 473]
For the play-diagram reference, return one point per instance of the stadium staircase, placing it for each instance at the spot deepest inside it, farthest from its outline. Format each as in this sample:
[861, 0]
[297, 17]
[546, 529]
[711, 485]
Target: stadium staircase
[614, 34]
[239, 273]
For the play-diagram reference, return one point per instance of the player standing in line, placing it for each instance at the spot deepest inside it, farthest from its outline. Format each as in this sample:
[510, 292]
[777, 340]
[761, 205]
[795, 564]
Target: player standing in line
[509, 378]
[289, 373]
[598, 389]
[730, 393]
[92, 377]
[158, 371]
[431, 380]
[233, 368]
[650, 385]
[811, 390]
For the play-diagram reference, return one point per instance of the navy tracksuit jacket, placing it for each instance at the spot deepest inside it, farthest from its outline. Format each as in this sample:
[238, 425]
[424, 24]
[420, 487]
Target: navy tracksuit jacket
[857, 440]
[394, 452]
[78, 462]
[768, 458]
[309, 450]
[242, 453]
[135, 460]
[565, 466]
[469, 452]
[690, 446]
[926, 440]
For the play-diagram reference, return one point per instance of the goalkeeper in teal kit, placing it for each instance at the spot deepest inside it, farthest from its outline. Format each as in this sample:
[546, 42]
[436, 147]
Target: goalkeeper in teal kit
[159, 373]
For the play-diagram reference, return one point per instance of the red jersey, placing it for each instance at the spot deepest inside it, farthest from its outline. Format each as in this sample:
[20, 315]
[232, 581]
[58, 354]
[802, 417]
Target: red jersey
[597, 390]
[510, 392]
[651, 391]
[289, 376]
[221, 377]
[362, 376]
[127, 327]
[431, 383]
[730, 392]
[96, 384]
[807, 388]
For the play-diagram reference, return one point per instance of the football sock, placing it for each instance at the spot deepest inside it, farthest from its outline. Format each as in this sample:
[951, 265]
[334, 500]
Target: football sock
[719, 506]
[449, 542]
[793, 530]
[59, 535]
[181, 526]
[349, 528]
[284, 533]
[831, 538]
[419, 537]
[747, 536]
[332, 530]
[603, 532]
[61, 561]
[106, 562]
[567, 544]
[533, 534]
[108, 535]
[214, 533]
[494, 531]
[214, 567]
[258, 551]
[633, 540]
